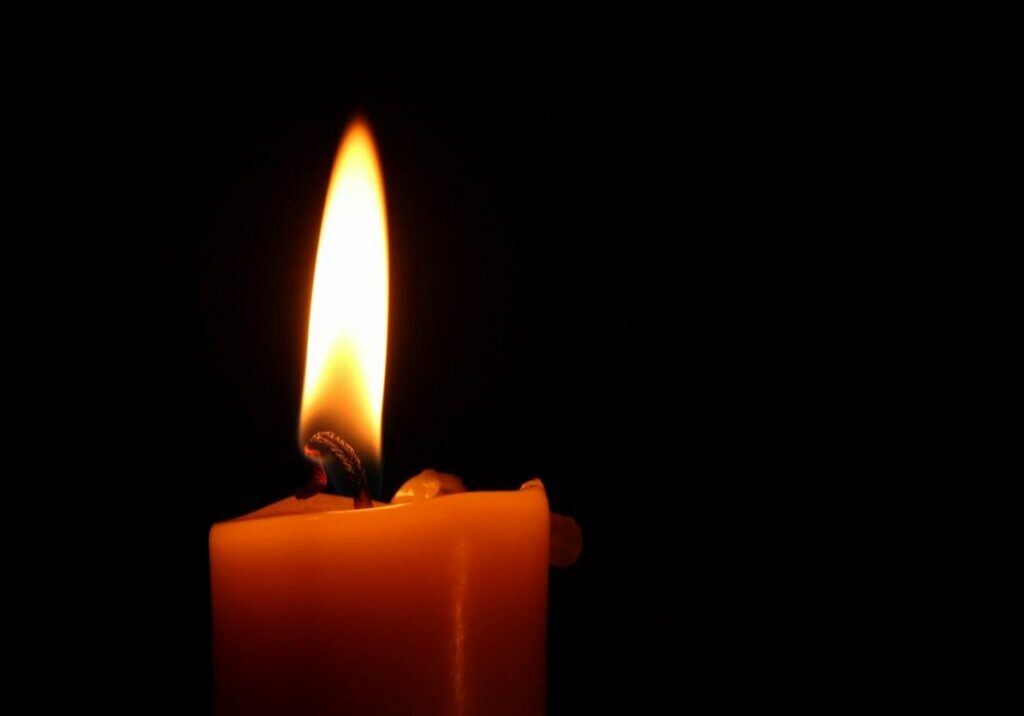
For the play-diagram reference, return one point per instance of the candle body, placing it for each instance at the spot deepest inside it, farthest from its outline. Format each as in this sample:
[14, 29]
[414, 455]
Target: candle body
[433, 607]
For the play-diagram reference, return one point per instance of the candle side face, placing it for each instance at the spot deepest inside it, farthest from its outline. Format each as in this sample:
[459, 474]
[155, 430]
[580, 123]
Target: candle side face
[435, 607]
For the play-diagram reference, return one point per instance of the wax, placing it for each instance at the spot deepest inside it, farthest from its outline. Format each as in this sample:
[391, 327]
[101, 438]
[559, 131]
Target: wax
[428, 607]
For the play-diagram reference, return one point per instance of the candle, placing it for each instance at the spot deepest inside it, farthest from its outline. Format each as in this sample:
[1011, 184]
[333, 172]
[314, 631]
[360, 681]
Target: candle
[434, 604]
[431, 607]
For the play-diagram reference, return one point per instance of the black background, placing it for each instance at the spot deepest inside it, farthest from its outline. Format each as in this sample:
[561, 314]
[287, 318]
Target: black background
[736, 287]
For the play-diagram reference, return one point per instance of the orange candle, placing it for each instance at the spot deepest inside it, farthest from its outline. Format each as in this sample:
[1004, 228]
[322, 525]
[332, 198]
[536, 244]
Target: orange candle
[435, 605]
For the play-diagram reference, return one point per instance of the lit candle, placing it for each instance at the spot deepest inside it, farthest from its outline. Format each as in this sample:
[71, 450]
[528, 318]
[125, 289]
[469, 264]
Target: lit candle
[433, 604]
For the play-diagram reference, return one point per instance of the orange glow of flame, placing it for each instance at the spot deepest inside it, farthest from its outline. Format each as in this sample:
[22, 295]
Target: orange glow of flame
[348, 321]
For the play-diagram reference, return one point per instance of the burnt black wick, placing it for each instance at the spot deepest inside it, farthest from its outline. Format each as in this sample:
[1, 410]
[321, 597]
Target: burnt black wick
[335, 461]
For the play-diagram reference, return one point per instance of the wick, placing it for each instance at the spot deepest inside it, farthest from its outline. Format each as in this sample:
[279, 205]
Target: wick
[321, 448]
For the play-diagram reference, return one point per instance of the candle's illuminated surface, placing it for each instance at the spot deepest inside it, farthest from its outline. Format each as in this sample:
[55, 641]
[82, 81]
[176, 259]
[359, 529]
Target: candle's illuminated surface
[432, 607]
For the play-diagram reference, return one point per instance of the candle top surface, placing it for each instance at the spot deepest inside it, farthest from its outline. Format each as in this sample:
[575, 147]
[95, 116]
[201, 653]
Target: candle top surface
[316, 504]
[323, 503]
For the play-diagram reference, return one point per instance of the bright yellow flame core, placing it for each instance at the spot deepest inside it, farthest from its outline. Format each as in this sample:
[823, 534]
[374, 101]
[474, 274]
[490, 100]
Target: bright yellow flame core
[348, 319]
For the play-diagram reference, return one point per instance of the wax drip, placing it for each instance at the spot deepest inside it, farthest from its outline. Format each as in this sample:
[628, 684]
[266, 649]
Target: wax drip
[335, 462]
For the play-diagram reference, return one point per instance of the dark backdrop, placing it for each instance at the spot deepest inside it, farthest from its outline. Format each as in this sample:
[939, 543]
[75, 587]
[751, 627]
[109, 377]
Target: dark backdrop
[734, 286]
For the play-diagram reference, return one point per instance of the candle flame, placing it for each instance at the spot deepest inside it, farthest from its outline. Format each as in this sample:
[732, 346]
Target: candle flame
[346, 352]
